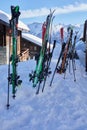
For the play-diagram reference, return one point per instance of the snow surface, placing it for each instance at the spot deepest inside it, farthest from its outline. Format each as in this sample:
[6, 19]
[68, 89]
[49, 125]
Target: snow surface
[60, 107]
[81, 47]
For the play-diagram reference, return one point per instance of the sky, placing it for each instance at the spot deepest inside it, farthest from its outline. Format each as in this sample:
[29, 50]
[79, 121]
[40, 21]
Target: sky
[66, 11]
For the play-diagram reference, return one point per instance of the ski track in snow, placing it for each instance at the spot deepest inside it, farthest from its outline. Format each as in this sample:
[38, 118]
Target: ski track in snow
[63, 106]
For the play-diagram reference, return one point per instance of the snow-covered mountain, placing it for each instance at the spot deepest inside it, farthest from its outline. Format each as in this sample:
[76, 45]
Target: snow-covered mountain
[36, 29]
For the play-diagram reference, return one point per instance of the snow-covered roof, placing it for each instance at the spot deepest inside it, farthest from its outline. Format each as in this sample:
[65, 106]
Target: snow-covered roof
[5, 17]
[32, 38]
[23, 26]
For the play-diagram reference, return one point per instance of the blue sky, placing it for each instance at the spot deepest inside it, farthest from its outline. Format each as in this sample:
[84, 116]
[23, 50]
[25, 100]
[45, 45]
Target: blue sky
[67, 11]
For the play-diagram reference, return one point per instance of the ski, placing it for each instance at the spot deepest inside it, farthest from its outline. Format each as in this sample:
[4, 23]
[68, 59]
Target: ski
[47, 38]
[49, 55]
[73, 52]
[48, 65]
[39, 73]
[68, 46]
[13, 78]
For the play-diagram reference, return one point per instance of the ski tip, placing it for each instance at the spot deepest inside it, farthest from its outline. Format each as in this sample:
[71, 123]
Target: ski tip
[37, 93]
[13, 96]
[42, 90]
[74, 80]
[8, 105]
[50, 83]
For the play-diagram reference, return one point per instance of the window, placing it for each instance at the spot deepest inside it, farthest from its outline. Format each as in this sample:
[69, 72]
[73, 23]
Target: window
[35, 48]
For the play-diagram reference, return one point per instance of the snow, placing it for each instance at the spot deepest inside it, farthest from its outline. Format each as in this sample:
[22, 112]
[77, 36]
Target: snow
[80, 47]
[36, 29]
[5, 17]
[32, 38]
[63, 106]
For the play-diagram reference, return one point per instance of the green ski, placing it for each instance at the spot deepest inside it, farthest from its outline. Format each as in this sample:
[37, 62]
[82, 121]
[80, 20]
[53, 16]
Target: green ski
[13, 78]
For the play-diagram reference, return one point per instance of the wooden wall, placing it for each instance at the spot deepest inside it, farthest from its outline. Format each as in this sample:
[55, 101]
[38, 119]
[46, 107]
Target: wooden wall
[5, 39]
[33, 48]
[9, 40]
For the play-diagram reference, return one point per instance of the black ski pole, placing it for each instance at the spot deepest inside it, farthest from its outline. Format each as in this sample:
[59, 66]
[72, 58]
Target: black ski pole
[86, 48]
[37, 92]
[73, 56]
[63, 47]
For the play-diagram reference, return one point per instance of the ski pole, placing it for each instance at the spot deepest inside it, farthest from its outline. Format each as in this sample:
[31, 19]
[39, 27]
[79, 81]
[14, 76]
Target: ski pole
[9, 68]
[49, 64]
[61, 52]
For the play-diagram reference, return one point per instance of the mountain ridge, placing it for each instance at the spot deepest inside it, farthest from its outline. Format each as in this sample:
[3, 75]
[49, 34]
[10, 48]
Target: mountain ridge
[36, 29]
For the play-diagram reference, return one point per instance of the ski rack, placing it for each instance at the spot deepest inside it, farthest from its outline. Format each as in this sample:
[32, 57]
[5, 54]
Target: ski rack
[13, 78]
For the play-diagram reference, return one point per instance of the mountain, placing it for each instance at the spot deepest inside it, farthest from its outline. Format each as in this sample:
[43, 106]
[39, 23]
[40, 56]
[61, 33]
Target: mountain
[36, 29]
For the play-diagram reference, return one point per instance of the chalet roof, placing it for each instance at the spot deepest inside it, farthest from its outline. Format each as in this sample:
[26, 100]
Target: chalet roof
[32, 38]
[5, 17]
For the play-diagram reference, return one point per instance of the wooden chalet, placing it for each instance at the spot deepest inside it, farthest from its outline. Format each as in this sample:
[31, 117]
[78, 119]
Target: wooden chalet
[24, 51]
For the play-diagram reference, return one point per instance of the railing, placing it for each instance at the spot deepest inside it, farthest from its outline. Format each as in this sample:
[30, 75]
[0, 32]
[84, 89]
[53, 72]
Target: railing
[24, 55]
[2, 55]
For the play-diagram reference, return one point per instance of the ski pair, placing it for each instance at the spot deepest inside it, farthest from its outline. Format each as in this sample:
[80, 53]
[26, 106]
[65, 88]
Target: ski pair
[42, 68]
[47, 70]
[66, 47]
[13, 77]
